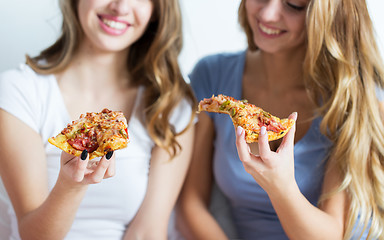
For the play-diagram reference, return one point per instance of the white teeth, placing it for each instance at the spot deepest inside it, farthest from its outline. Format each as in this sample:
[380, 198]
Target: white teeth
[114, 24]
[268, 30]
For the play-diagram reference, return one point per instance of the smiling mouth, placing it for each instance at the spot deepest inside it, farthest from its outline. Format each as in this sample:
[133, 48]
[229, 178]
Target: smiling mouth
[114, 24]
[268, 30]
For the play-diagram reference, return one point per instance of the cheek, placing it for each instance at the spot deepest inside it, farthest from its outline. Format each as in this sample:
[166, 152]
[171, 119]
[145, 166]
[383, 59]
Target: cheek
[81, 12]
[298, 25]
[297, 28]
[144, 15]
[252, 8]
[84, 9]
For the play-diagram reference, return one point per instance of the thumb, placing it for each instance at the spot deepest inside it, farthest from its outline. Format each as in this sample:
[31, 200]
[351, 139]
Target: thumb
[289, 139]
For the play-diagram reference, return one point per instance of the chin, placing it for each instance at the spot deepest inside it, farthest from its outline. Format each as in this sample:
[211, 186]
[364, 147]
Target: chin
[111, 46]
[268, 48]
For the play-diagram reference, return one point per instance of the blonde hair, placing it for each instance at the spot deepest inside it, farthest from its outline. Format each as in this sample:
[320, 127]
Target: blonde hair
[342, 70]
[152, 62]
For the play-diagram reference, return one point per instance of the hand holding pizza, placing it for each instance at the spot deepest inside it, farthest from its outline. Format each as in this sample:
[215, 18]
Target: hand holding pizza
[271, 170]
[80, 170]
[92, 135]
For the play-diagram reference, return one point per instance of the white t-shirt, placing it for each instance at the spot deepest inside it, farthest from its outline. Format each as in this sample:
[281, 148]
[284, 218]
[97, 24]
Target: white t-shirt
[107, 207]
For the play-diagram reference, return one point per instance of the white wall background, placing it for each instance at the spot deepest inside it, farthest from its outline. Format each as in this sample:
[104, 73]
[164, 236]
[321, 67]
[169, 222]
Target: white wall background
[27, 27]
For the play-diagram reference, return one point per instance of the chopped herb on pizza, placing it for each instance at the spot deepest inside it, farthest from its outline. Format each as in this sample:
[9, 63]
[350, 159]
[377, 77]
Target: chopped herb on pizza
[248, 116]
[98, 133]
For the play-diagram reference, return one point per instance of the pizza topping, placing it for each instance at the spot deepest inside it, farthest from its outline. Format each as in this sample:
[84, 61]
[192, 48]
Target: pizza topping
[267, 115]
[84, 138]
[223, 105]
[124, 133]
[270, 124]
[83, 144]
[233, 112]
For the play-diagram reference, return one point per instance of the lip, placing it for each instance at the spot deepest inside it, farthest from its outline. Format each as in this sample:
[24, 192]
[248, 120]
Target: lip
[268, 35]
[109, 30]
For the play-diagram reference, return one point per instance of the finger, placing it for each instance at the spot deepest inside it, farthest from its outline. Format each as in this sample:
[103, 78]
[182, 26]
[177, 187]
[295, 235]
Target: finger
[264, 149]
[81, 166]
[100, 170]
[241, 145]
[289, 139]
[111, 169]
[66, 157]
[252, 164]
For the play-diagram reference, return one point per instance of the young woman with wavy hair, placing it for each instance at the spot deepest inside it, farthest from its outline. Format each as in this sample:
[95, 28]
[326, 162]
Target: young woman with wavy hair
[114, 54]
[324, 180]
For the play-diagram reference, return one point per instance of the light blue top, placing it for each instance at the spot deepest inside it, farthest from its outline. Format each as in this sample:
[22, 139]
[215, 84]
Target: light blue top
[254, 216]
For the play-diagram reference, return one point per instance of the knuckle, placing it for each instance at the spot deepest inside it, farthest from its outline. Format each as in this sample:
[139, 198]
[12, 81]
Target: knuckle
[77, 178]
[111, 173]
[265, 155]
[104, 164]
[108, 176]
[245, 160]
[81, 167]
[96, 180]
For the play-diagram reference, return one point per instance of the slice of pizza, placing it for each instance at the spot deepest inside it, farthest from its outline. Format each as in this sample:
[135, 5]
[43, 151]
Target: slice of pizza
[98, 133]
[248, 116]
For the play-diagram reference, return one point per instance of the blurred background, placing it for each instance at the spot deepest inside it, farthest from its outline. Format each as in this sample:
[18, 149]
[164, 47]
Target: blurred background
[210, 26]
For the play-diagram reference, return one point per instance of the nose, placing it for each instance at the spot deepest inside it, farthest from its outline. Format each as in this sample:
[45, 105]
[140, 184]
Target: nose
[271, 12]
[120, 7]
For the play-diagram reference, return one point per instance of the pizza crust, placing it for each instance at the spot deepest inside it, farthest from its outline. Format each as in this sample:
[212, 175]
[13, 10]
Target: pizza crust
[60, 141]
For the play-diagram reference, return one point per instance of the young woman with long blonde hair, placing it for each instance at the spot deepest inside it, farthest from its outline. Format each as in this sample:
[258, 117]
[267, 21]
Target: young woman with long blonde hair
[114, 54]
[324, 180]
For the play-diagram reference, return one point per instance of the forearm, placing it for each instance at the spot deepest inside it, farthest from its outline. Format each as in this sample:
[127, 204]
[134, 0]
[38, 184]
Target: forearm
[301, 220]
[198, 223]
[53, 219]
[195, 220]
[138, 229]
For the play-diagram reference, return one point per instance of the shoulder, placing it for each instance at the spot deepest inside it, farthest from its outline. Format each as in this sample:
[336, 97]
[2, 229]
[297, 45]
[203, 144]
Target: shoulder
[219, 73]
[24, 84]
[16, 81]
[23, 92]
[22, 70]
[22, 76]
[220, 61]
[181, 115]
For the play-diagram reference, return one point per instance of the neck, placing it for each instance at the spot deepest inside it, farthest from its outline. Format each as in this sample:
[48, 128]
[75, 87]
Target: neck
[282, 70]
[97, 68]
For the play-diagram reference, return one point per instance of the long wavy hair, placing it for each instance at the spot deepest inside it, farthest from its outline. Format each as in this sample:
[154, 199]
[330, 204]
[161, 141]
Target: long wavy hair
[152, 62]
[343, 69]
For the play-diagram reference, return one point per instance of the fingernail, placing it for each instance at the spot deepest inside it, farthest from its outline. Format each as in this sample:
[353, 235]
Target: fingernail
[239, 131]
[294, 116]
[263, 130]
[84, 155]
[109, 155]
